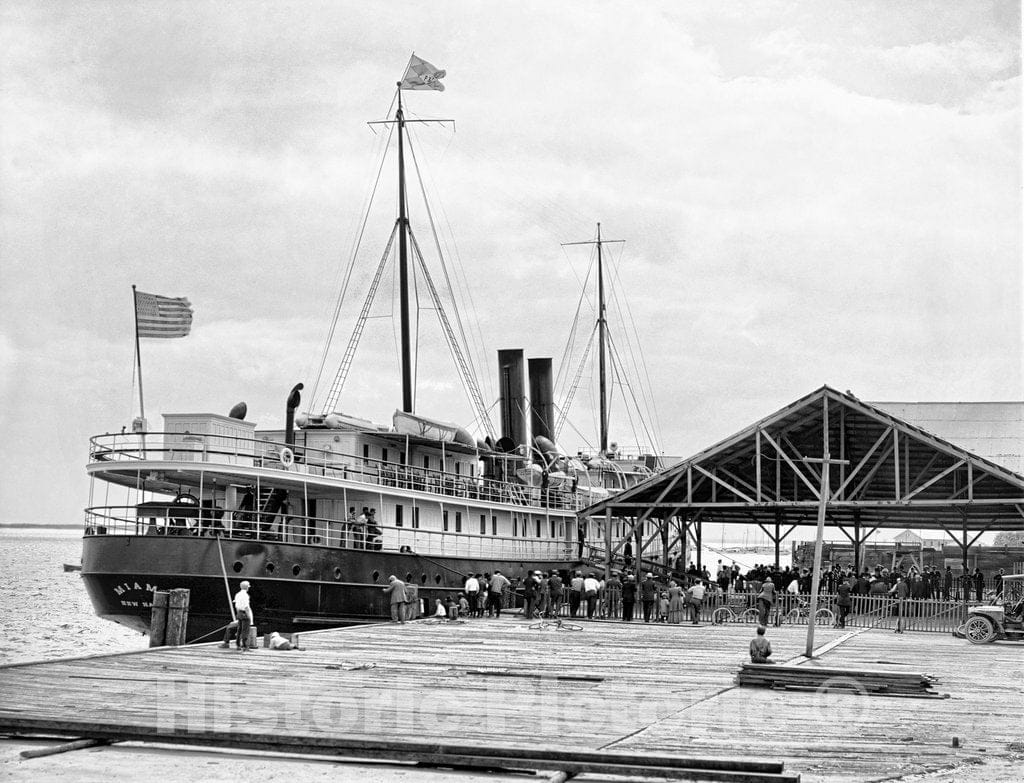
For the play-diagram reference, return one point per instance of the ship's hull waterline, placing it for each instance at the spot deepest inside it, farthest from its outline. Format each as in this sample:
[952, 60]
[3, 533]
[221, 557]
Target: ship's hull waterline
[294, 587]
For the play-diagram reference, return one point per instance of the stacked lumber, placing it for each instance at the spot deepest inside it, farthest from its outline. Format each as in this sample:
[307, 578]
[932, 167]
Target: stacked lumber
[874, 682]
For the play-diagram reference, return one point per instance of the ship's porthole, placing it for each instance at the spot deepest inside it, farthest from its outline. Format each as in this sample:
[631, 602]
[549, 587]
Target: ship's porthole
[423, 579]
[337, 574]
[375, 575]
[237, 567]
[296, 570]
[408, 577]
[437, 579]
[270, 568]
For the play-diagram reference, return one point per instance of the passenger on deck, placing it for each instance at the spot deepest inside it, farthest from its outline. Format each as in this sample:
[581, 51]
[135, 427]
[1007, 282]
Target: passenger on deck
[760, 647]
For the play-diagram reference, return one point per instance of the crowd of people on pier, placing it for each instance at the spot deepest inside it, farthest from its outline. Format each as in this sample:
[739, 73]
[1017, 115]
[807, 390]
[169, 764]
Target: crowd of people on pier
[679, 596]
[672, 597]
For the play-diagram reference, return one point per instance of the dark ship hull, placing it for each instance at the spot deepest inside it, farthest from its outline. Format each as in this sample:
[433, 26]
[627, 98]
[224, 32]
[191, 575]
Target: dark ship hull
[295, 587]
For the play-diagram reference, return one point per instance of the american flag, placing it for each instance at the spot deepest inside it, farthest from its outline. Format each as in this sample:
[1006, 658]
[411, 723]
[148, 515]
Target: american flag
[162, 316]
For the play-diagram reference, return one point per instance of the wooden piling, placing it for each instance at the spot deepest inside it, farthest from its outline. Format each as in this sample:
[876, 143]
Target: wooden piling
[177, 617]
[158, 618]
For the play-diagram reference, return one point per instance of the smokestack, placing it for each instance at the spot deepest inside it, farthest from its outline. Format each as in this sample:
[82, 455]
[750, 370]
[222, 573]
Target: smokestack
[542, 404]
[511, 394]
[289, 414]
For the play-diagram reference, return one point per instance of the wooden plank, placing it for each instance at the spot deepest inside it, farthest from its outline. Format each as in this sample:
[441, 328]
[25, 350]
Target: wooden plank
[635, 688]
[64, 747]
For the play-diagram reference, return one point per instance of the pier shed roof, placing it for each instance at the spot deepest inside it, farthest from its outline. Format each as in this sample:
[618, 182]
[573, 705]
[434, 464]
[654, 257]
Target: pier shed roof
[893, 474]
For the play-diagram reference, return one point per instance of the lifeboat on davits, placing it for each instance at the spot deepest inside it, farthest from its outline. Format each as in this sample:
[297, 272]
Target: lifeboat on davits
[432, 429]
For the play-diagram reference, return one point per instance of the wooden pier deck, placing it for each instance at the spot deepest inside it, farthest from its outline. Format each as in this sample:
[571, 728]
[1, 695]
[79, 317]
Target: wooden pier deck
[646, 689]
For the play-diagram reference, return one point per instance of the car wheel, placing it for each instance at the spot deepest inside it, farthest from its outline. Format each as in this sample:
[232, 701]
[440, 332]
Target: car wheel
[979, 630]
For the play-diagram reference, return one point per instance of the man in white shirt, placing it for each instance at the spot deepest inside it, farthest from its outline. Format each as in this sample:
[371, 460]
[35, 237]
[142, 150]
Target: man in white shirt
[590, 588]
[696, 592]
[472, 589]
[243, 612]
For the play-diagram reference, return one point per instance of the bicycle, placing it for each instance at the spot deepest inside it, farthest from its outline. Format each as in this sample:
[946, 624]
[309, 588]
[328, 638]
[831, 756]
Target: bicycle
[736, 610]
[801, 613]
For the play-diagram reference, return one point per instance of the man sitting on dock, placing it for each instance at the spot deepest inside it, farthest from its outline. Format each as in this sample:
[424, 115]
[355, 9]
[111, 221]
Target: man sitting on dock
[760, 647]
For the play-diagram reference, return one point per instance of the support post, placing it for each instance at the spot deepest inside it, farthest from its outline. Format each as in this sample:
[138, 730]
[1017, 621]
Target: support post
[856, 541]
[158, 619]
[823, 498]
[778, 537]
[177, 617]
[607, 544]
[963, 552]
[700, 543]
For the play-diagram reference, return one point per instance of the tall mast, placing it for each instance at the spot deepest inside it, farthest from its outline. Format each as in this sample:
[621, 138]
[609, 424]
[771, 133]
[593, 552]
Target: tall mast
[403, 265]
[602, 326]
[602, 334]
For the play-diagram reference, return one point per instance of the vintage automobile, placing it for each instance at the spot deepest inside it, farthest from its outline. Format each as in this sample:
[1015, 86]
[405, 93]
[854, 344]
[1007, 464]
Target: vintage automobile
[1003, 620]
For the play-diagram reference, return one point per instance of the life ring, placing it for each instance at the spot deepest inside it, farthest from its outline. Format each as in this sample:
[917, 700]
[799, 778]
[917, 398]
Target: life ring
[287, 457]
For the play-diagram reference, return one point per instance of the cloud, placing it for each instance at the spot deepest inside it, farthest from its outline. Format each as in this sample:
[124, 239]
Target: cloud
[808, 195]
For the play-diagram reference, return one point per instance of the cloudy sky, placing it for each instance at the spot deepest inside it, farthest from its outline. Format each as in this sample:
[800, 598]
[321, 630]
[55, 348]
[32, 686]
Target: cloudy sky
[810, 192]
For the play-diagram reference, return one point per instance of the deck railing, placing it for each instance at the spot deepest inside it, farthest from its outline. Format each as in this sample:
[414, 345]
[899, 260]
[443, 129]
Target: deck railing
[223, 450]
[293, 529]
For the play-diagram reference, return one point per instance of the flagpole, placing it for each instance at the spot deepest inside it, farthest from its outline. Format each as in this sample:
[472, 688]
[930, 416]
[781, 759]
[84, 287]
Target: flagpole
[138, 353]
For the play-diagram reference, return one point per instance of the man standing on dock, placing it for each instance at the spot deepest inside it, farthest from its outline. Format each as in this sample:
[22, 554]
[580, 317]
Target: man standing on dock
[495, 588]
[472, 591]
[648, 592]
[396, 592]
[628, 598]
[243, 611]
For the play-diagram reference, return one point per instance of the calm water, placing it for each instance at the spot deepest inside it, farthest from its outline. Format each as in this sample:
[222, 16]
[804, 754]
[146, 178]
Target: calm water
[45, 612]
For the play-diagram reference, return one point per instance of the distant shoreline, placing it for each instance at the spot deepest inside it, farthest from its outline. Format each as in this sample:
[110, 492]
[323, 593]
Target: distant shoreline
[39, 525]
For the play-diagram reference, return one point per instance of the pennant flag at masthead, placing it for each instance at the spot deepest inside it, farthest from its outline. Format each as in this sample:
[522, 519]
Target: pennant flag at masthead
[421, 75]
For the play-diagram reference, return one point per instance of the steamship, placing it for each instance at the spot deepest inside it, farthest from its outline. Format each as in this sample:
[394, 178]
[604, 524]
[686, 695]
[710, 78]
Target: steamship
[318, 514]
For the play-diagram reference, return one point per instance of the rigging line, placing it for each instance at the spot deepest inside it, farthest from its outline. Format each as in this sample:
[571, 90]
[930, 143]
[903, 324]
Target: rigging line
[563, 364]
[353, 342]
[567, 405]
[472, 389]
[621, 380]
[618, 372]
[573, 427]
[444, 267]
[357, 244]
[655, 446]
[466, 292]
[639, 366]
[357, 234]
